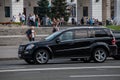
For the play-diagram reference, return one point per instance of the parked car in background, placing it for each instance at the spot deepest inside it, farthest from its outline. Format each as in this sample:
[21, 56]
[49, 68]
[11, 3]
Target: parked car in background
[85, 43]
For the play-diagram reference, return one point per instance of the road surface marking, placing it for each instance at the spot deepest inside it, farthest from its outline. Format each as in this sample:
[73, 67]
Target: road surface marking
[86, 76]
[14, 67]
[62, 68]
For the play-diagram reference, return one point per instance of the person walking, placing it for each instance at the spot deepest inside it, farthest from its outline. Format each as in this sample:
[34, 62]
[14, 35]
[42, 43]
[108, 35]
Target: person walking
[55, 28]
[33, 33]
[37, 21]
[23, 19]
[30, 33]
[55, 25]
[82, 21]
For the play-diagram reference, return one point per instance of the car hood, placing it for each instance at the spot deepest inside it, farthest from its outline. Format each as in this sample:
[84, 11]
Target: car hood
[38, 43]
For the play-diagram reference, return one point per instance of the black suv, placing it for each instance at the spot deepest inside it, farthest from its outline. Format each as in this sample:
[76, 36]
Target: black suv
[84, 43]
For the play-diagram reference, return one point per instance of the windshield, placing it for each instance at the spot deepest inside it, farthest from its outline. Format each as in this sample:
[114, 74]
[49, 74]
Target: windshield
[52, 36]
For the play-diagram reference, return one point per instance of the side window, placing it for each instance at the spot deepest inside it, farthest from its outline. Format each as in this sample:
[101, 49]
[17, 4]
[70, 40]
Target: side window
[81, 34]
[100, 33]
[66, 36]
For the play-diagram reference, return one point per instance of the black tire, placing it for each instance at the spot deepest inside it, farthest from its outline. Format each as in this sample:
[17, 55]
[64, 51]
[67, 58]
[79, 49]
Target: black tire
[41, 56]
[29, 61]
[117, 57]
[99, 55]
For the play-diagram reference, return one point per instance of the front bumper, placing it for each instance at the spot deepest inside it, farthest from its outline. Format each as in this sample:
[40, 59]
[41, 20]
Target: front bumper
[24, 54]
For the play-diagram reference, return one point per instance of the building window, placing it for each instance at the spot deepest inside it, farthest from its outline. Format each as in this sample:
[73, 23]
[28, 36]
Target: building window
[72, 0]
[36, 10]
[73, 11]
[7, 11]
[85, 11]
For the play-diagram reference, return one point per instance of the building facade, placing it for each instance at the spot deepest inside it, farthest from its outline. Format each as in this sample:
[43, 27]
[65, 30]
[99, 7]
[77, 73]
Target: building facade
[99, 9]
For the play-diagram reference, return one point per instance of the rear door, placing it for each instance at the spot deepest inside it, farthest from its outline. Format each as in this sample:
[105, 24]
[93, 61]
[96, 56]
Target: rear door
[82, 42]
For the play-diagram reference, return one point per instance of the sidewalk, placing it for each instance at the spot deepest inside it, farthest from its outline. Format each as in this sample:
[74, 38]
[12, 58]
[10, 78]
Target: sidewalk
[8, 52]
[16, 40]
[15, 36]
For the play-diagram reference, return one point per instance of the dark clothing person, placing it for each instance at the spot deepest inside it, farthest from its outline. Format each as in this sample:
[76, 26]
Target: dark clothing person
[82, 21]
[55, 29]
[28, 34]
[73, 21]
[31, 34]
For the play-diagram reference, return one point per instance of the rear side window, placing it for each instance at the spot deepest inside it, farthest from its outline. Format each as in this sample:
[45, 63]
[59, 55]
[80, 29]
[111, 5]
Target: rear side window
[81, 34]
[100, 33]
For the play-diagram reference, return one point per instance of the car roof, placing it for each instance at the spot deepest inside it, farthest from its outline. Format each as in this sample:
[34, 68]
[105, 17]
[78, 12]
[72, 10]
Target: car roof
[83, 27]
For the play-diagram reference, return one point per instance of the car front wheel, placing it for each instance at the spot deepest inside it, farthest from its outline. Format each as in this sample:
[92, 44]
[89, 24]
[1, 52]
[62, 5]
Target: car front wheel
[99, 55]
[41, 56]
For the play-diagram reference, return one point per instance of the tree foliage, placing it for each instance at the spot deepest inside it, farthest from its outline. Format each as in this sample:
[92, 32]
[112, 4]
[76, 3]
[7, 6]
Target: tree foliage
[43, 9]
[59, 9]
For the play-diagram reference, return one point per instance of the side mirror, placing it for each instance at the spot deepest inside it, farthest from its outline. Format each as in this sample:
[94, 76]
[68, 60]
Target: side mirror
[58, 40]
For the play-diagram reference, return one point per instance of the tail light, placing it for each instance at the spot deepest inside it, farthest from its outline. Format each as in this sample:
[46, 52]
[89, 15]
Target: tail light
[113, 41]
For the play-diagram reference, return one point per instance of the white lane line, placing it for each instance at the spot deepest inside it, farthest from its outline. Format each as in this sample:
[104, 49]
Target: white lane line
[14, 67]
[62, 68]
[88, 76]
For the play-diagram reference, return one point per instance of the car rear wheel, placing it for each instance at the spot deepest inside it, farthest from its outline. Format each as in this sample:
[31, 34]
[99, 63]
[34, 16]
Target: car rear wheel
[99, 55]
[41, 56]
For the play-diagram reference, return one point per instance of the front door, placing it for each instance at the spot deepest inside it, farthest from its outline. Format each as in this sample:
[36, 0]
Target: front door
[65, 45]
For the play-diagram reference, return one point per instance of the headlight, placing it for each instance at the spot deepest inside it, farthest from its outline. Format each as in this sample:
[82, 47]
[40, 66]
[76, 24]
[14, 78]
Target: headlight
[30, 46]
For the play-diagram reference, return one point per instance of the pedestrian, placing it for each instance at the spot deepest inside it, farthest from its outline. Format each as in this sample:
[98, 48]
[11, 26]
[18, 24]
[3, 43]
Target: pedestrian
[62, 21]
[37, 21]
[29, 21]
[22, 19]
[91, 21]
[82, 21]
[33, 33]
[73, 21]
[55, 25]
[54, 22]
[58, 22]
[55, 28]
[30, 33]
[49, 22]
[32, 20]
[13, 19]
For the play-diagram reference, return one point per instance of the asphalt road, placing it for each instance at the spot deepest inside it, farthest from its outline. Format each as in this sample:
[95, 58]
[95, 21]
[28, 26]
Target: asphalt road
[60, 69]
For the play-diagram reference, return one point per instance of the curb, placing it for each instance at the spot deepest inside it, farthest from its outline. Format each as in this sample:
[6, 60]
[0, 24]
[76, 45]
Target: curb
[4, 59]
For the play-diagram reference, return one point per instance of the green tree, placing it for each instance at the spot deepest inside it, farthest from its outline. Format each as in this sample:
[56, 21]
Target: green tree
[59, 9]
[43, 9]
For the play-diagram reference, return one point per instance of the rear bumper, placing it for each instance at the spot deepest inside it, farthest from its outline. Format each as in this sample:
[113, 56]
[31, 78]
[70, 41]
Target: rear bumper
[113, 50]
[118, 50]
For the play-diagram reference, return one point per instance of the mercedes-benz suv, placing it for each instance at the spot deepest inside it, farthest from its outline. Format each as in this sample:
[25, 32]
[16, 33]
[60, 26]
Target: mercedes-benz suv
[84, 43]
